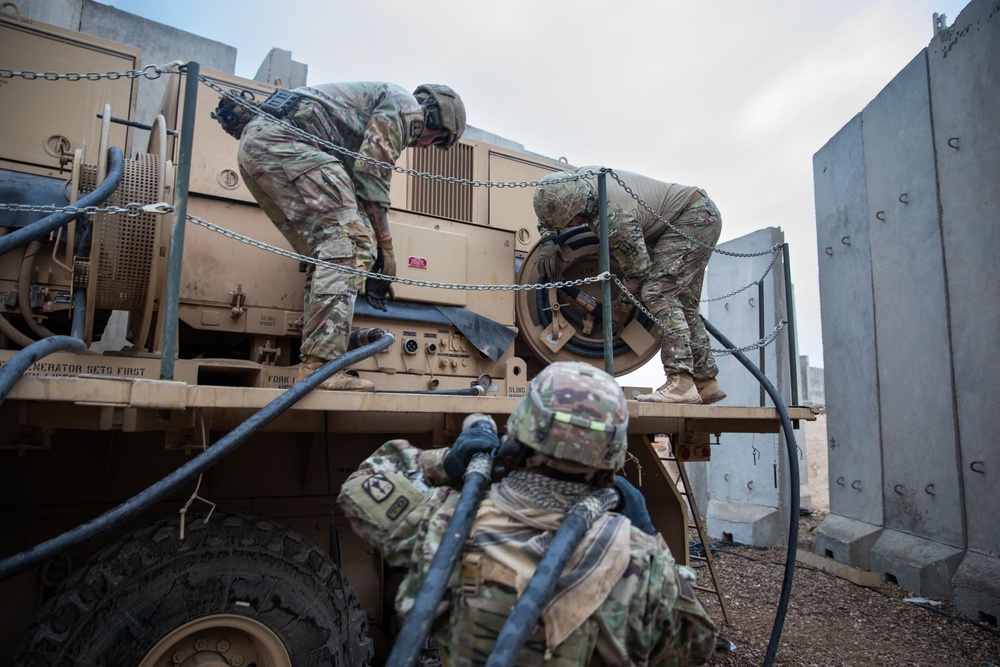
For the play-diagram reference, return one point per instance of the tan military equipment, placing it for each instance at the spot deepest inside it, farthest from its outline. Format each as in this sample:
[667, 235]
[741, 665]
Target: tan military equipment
[82, 432]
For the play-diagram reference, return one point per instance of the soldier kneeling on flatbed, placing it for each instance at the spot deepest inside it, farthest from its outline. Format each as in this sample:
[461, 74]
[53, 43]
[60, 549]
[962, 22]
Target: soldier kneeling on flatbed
[620, 599]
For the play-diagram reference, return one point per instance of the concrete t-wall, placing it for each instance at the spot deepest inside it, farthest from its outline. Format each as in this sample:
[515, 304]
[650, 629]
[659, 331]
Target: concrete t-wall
[747, 479]
[964, 68]
[908, 226]
[811, 391]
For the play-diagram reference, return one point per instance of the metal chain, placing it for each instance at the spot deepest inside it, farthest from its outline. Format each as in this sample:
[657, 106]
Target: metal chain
[134, 209]
[746, 287]
[149, 72]
[131, 210]
[671, 226]
[718, 352]
[402, 281]
[491, 288]
[313, 139]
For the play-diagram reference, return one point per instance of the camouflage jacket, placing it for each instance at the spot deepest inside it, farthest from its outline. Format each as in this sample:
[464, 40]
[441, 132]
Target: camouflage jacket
[375, 120]
[399, 500]
[630, 225]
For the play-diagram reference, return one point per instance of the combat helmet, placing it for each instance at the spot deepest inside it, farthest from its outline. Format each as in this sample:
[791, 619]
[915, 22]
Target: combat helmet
[573, 412]
[558, 201]
[445, 111]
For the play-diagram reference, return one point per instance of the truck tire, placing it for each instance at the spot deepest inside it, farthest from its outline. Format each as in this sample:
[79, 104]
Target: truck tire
[235, 591]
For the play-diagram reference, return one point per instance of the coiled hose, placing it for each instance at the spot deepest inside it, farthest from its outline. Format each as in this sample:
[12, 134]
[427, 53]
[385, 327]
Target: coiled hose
[793, 480]
[539, 591]
[187, 472]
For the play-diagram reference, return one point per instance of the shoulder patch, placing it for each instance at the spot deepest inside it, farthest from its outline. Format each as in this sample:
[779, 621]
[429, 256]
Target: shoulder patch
[378, 487]
[626, 248]
[380, 501]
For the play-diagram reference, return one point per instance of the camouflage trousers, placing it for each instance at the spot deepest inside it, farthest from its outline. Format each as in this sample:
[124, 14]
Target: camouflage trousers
[309, 195]
[673, 290]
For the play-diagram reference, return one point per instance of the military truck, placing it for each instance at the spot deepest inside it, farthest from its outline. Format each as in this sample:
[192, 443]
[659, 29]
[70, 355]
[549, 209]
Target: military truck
[249, 561]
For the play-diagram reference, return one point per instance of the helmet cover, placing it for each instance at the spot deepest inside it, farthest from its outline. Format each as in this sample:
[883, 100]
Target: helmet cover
[450, 111]
[558, 201]
[573, 412]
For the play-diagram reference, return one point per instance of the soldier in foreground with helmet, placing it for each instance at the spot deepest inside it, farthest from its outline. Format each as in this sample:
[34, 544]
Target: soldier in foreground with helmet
[620, 599]
[335, 207]
[661, 264]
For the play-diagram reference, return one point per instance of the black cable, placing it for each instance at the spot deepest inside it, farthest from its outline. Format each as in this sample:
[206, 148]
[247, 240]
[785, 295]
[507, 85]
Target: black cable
[137, 504]
[79, 313]
[524, 618]
[793, 480]
[410, 640]
[471, 391]
[12, 371]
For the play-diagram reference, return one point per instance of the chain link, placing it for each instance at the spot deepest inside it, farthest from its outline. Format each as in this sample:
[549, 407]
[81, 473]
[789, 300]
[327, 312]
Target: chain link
[493, 288]
[148, 72]
[753, 284]
[134, 209]
[402, 281]
[130, 210]
[313, 139]
[672, 227]
[718, 352]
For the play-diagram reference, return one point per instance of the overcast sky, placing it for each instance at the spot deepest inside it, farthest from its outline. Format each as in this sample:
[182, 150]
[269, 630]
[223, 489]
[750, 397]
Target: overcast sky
[734, 96]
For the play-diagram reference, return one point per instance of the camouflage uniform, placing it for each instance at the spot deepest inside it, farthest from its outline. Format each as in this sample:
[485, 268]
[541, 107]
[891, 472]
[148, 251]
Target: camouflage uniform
[664, 268]
[399, 500]
[312, 193]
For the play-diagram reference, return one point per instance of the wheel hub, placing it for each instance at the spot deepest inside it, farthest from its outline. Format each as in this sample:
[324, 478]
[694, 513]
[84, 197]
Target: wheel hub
[224, 640]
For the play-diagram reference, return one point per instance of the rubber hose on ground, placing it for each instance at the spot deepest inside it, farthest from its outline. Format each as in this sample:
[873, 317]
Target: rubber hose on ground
[793, 480]
[187, 472]
[411, 638]
[539, 591]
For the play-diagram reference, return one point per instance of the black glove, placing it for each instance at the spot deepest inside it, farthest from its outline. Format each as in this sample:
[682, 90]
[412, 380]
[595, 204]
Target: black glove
[505, 454]
[633, 505]
[549, 255]
[377, 290]
[480, 437]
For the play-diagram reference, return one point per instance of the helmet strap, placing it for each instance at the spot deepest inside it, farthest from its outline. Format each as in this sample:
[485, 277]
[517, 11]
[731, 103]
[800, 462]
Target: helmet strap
[432, 114]
[590, 209]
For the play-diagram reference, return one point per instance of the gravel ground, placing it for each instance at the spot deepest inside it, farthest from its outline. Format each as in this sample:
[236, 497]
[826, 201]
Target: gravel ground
[830, 621]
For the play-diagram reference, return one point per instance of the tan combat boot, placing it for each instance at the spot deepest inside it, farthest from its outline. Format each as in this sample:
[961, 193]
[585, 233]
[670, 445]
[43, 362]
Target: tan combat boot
[679, 388]
[710, 391]
[339, 381]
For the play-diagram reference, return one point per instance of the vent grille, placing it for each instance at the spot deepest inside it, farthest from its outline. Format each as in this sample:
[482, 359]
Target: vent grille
[124, 245]
[445, 200]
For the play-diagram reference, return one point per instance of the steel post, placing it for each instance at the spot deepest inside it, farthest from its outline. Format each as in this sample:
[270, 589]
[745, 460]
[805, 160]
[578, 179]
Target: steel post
[605, 259]
[171, 306]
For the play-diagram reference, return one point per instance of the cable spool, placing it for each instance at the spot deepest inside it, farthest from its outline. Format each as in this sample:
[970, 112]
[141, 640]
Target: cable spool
[128, 253]
[565, 324]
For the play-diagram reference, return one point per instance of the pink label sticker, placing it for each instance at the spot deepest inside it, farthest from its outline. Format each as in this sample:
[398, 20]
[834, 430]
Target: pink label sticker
[417, 262]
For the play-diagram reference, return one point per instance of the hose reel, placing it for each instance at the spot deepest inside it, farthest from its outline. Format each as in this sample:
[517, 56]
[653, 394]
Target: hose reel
[564, 324]
[127, 257]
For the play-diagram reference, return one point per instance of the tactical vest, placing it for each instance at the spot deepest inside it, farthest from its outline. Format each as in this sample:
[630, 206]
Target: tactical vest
[484, 600]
